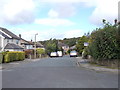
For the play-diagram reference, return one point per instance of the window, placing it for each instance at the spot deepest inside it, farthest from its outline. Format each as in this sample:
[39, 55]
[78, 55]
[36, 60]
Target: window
[17, 42]
[7, 40]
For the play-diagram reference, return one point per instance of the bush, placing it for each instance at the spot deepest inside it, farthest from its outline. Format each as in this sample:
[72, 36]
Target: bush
[40, 52]
[1, 57]
[80, 45]
[85, 53]
[14, 56]
[104, 43]
[29, 52]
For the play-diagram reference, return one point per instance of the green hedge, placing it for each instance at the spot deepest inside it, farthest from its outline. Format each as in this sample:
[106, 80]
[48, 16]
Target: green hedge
[104, 43]
[1, 57]
[14, 56]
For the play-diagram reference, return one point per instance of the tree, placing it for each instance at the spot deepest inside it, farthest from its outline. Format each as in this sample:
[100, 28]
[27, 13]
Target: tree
[70, 42]
[40, 51]
[80, 45]
[104, 43]
[51, 46]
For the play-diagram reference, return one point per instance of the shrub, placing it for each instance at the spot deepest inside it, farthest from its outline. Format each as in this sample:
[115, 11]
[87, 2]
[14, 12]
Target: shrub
[14, 56]
[80, 45]
[104, 43]
[68, 52]
[1, 57]
[40, 52]
[85, 53]
[29, 52]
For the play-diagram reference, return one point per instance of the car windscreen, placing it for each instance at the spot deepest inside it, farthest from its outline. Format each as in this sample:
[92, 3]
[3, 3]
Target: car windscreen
[73, 52]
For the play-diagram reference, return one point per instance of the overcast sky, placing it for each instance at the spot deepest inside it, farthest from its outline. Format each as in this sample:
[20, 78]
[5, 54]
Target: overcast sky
[55, 18]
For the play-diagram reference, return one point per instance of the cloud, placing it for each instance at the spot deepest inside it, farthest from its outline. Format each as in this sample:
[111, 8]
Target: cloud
[66, 1]
[108, 9]
[65, 10]
[42, 35]
[53, 14]
[17, 11]
[54, 22]
[24, 11]
[46, 34]
[73, 33]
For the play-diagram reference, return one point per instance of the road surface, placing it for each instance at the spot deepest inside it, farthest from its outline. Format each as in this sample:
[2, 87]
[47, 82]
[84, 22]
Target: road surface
[61, 72]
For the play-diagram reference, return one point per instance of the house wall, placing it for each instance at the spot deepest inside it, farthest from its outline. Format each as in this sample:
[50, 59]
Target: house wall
[15, 41]
[29, 47]
[1, 42]
[13, 49]
[65, 48]
[4, 42]
[22, 44]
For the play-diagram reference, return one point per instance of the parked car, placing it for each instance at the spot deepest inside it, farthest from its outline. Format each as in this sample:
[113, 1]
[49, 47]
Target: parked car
[73, 54]
[53, 54]
[60, 54]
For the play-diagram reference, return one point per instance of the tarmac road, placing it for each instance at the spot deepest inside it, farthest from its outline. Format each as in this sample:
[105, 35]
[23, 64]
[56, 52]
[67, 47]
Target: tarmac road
[59, 72]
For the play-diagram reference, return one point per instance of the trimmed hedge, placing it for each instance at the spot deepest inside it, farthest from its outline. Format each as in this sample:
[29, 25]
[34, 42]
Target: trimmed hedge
[1, 57]
[14, 56]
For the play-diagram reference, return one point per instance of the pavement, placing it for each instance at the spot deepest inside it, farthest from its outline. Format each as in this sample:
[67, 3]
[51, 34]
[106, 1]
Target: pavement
[17, 63]
[85, 63]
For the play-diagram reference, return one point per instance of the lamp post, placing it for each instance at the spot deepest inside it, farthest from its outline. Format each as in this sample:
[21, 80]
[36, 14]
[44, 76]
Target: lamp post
[35, 45]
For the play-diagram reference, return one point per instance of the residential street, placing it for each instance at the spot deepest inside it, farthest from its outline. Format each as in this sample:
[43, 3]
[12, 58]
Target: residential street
[60, 72]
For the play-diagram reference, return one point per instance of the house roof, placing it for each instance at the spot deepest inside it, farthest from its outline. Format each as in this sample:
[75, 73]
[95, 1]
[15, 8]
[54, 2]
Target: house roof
[12, 46]
[62, 44]
[31, 42]
[26, 42]
[9, 33]
[39, 45]
[3, 35]
[73, 47]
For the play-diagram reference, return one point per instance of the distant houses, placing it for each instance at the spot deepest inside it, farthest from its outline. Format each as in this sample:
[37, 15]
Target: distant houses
[26, 44]
[39, 45]
[64, 46]
[11, 42]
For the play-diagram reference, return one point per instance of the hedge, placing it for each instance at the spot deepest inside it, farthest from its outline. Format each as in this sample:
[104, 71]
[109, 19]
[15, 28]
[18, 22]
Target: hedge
[14, 56]
[1, 57]
[104, 43]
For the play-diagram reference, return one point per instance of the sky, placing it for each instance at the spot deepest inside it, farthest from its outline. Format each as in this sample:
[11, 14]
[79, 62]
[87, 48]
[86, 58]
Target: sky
[55, 18]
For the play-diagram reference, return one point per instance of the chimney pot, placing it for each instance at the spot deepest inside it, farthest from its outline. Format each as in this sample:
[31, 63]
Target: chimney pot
[20, 35]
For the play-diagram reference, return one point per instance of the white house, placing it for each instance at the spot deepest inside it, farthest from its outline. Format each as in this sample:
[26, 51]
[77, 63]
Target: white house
[26, 44]
[65, 47]
[9, 41]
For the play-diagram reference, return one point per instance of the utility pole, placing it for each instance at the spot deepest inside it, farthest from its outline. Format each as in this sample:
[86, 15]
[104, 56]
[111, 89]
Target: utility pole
[35, 46]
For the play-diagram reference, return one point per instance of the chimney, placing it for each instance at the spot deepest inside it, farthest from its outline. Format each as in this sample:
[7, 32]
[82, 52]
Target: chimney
[31, 40]
[20, 35]
[115, 21]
